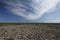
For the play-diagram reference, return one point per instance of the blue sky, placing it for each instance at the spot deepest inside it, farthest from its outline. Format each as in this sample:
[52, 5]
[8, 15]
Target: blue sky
[8, 16]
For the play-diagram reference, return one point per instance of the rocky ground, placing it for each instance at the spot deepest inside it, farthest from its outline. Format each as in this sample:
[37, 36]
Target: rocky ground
[30, 32]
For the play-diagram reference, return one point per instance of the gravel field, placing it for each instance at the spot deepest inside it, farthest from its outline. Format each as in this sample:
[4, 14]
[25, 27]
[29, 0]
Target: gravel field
[30, 32]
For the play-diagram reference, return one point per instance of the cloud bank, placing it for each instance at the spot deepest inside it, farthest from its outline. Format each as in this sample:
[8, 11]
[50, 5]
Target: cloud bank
[29, 9]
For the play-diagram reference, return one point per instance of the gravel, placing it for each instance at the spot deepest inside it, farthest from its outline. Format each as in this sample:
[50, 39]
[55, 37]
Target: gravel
[30, 32]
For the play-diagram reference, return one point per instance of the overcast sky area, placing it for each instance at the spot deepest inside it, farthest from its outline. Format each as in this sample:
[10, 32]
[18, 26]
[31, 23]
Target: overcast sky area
[35, 11]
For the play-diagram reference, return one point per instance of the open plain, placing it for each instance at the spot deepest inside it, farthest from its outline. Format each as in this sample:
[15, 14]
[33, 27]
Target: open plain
[30, 31]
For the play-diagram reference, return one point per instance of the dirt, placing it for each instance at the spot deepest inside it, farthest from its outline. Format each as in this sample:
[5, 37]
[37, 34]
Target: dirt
[30, 32]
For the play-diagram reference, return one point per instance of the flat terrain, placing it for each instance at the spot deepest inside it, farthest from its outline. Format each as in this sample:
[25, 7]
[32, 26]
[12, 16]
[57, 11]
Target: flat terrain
[31, 31]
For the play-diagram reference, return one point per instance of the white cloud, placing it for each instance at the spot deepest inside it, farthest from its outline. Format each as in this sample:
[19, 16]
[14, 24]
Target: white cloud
[39, 6]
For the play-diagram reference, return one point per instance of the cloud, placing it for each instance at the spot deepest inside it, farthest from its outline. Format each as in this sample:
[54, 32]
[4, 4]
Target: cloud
[30, 10]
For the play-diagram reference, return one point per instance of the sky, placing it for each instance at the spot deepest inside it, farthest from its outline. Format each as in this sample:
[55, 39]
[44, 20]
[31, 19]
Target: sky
[31, 11]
